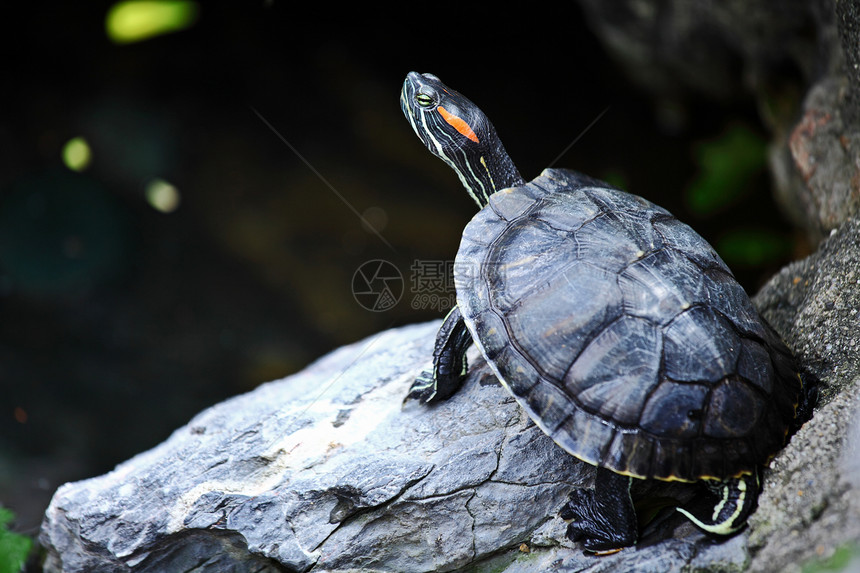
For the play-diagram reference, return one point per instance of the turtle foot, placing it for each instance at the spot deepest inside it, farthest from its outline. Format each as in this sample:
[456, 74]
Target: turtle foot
[602, 519]
[423, 388]
[449, 368]
[428, 389]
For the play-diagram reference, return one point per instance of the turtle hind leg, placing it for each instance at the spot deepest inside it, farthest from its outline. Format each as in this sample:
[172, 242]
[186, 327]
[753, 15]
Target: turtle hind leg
[809, 396]
[603, 519]
[449, 362]
[734, 501]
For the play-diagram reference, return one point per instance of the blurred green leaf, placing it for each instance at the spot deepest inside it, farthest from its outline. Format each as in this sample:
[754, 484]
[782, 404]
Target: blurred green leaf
[136, 20]
[14, 547]
[725, 166]
[77, 154]
[752, 247]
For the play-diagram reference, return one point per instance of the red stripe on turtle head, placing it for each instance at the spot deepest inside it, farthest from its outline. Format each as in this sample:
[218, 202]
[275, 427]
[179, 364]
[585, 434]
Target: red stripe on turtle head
[458, 124]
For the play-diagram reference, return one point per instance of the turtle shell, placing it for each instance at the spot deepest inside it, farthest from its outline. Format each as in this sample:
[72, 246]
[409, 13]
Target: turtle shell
[622, 333]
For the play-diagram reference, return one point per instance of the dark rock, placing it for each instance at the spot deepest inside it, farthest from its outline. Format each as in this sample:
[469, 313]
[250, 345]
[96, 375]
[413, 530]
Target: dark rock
[721, 50]
[798, 60]
[817, 165]
[848, 23]
[815, 159]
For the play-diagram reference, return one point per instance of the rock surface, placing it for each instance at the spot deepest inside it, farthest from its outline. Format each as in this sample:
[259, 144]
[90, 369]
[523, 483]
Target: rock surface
[328, 470]
[810, 508]
[325, 470]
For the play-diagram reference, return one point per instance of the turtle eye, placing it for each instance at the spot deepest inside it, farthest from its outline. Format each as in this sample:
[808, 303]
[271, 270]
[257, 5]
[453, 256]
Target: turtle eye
[424, 100]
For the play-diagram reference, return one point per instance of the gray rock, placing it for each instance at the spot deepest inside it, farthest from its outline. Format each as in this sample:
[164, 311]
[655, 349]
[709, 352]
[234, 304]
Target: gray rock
[811, 502]
[810, 507]
[324, 470]
[815, 306]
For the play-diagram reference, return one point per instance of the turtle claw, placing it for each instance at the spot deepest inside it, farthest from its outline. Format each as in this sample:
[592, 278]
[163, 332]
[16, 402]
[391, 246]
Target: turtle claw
[591, 530]
[602, 519]
[423, 388]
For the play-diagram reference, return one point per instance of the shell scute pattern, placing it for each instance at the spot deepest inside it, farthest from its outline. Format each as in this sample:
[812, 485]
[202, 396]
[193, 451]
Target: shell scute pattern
[700, 346]
[733, 422]
[509, 204]
[728, 297]
[520, 261]
[554, 323]
[588, 435]
[754, 364]
[684, 239]
[622, 332]
[608, 228]
[616, 371]
[667, 411]
[628, 450]
[660, 284]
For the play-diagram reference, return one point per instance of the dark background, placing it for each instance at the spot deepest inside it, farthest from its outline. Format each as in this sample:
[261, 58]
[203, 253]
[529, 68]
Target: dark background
[119, 322]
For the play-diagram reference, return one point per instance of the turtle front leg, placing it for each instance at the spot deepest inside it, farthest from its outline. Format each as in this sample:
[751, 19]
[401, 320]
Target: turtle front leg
[449, 362]
[734, 501]
[603, 518]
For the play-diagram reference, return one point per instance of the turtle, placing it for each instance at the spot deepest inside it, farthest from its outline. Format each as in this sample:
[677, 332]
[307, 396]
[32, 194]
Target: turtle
[615, 326]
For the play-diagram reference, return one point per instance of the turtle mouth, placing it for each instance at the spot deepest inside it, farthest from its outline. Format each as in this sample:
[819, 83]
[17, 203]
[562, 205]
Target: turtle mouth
[411, 85]
[406, 94]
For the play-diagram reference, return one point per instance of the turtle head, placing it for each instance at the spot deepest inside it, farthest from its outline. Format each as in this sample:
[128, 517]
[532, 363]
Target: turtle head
[457, 131]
